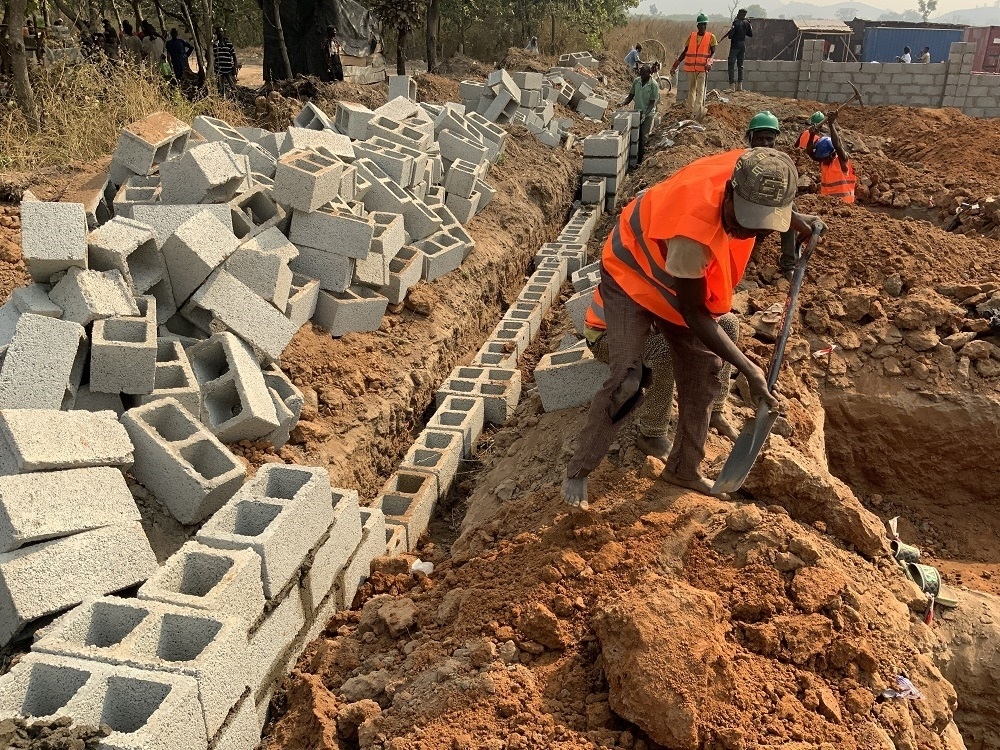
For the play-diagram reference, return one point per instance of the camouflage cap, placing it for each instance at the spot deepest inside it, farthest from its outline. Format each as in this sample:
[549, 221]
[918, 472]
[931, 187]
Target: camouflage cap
[764, 186]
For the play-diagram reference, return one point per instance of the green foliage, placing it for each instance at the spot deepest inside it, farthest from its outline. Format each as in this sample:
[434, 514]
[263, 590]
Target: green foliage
[756, 11]
[926, 7]
[848, 13]
[402, 15]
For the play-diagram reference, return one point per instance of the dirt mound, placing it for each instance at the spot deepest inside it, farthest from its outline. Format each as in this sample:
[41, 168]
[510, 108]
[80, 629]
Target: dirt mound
[517, 60]
[57, 734]
[459, 66]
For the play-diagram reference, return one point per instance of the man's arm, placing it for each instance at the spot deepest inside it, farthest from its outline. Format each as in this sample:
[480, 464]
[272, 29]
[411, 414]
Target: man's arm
[748, 28]
[680, 58]
[837, 143]
[691, 295]
[805, 224]
[631, 95]
[188, 49]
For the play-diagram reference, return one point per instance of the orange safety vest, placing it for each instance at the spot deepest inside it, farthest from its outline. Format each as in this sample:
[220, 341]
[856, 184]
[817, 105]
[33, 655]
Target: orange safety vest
[836, 181]
[697, 55]
[689, 204]
[595, 313]
[805, 138]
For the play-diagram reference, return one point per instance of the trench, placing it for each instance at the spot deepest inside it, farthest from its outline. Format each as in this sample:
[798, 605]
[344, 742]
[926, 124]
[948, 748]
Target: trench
[934, 464]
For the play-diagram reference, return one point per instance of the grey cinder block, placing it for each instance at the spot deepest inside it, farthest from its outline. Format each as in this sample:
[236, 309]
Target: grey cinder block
[194, 250]
[312, 117]
[86, 296]
[256, 211]
[265, 273]
[123, 352]
[302, 299]
[209, 173]
[357, 309]
[342, 538]
[89, 400]
[463, 415]
[359, 567]
[180, 461]
[146, 143]
[288, 401]
[408, 499]
[53, 237]
[402, 86]
[569, 377]
[332, 142]
[270, 640]
[405, 271]
[51, 576]
[333, 271]
[165, 219]
[438, 452]
[129, 247]
[352, 119]
[173, 377]
[45, 439]
[333, 230]
[499, 388]
[43, 364]
[306, 180]
[34, 299]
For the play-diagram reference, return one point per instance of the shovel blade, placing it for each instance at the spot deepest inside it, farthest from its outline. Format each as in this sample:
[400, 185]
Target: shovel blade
[745, 451]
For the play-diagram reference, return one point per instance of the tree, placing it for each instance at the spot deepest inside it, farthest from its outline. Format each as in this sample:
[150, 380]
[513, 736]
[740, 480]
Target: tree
[19, 63]
[404, 17]
[433, 21]
[654, 11]
[756, 11]
[925, 8]
[848, 13]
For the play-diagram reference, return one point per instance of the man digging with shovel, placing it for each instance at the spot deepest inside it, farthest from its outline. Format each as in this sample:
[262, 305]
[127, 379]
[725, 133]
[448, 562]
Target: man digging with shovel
[672, 262]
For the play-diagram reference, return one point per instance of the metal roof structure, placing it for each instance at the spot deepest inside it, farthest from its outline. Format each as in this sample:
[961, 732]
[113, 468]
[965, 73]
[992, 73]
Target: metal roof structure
[815, 26]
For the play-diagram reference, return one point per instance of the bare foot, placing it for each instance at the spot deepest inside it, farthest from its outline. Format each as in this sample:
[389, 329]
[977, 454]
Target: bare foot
[574, 492]
[657, 446]
[722, 426]
[700, 484]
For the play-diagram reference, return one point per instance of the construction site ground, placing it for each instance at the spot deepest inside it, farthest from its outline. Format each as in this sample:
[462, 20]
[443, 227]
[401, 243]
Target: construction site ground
[662, 617]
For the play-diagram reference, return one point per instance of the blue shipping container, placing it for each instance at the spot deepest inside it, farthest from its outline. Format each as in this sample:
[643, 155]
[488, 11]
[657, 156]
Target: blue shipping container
[885, 43]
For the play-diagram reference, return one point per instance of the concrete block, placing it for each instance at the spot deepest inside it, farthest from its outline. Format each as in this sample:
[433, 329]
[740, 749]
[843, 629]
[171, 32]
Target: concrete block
[471, 89]
[495, 354]
[209, 173]
[173, 377]
[88, 400]
[442, 254]
[53, 238]
[335, 550]
[395, 539]
[576, 308]
[463, 208]
[152, 710]
[593, 190]
[499, 388]
[528, 81]
[313, 118]
[45, 440]
[385, 196]
[281, 514]
[408, 500]
[437, 452]
[358, 309]
[302, 297]
[33, 299]
[555, 264]
[403, 86]
[242, 729]
[288, 401]
[332, 143]
[213, 130]
[244, 313]
[587, 277]
[333, 271]
[97, 195]
[516, 334]
[454, 147]
[569, 378]
[86, 296]
[123, 352]
[159, 637]
[333, 230]
[255, 212]
[52, 576]
[194, 250]
[270, 641]
[358, 568]
[593, 107]
[235, 402]
[144, 144]
[352, 120]
[53, 504]
[130, 248]
[405, 271]
[500, 80]
[461, 178]
[399, 166]
[43, 365]
[607, 143]
[306, 180]
[462, 415]
[180, 461]
[266, 274]
[526, 310]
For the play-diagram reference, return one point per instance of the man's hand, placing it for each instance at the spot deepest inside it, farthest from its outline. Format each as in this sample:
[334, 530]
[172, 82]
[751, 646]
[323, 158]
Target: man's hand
[758, 387]
[805, 224]
[708, 67]
[831, 117]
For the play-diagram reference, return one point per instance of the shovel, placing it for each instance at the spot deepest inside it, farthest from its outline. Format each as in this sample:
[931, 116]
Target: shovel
[754, 434]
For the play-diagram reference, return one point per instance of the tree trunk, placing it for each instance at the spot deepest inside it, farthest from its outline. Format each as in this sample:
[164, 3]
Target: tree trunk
[19, 65]
[138, 14]
[199, 49]
[205, 32]
[401, 52]
[159, 16]
[461, 28]
[552, 49]
[281, 40]
[433, 19]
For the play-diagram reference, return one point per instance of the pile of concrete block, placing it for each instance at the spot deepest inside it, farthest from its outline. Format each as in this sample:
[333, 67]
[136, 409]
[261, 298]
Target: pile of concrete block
[581, 59]
[605, 162]
[626, 122]
[529, 99]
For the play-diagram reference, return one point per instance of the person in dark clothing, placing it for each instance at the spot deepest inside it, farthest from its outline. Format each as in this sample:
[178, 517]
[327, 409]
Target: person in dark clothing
[737, 35]
[226, 63]
[334, 66]
[178, 50]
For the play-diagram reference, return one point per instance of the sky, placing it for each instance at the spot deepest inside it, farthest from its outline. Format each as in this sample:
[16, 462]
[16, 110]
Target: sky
[678, 6]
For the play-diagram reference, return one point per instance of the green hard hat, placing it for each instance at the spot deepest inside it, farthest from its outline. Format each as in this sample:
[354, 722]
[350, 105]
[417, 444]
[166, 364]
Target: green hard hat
[702, 18]
[764, 121]
[817, 118]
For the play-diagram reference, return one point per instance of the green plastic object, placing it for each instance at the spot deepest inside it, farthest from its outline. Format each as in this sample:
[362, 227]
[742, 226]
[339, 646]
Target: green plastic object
[702, 18]
[764, 121]
[817, 118]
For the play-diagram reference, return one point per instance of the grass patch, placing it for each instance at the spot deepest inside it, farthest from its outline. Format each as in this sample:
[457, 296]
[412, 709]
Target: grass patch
[84, 106]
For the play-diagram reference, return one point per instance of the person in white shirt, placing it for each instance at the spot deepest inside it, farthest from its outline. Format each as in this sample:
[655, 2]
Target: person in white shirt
[905, 57]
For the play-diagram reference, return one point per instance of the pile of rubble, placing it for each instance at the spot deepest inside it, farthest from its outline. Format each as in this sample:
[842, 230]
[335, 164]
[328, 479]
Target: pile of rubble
[974, 217]
[529, 98]
[150, 338]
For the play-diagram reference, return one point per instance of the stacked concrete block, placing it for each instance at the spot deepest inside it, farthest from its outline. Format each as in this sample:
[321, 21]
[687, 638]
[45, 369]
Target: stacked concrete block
[580, 226]
[587, 277]
[569, 377]
[403, 133]
[462, 415]
[173, 377]
[332, 230]
[408, 500]
[437, 452]
[352, 120]
[357, 309]
[306, 180]
[130, 248]
[142, 709]
[209, 173]
[526, 311]
[302, 297]
[244, 313]
[392, 160]
[313, 118]
[180, 461]
[572, 59]
[386, 196]
[405, 270]
[49, 577]
[194, 249]
[123, 352]
[455, 146]
[593, 190]
[495, 354]
[387, 239]
[53, 238]
[606, 154]
[627, 123]
[574, 253]
[334, 550]
[266, 274]
[500, 390]
[256, 211]
[46, 440]
[158, 637]
[145, 144]
[333, 271]
[52, 504]
[329, 141]
[515, 334]
[235, 401]
[43, 365]
[403, 86]
[576, 307]
[358, 568]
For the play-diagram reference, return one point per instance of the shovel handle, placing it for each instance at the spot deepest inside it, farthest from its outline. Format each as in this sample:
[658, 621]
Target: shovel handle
[787, 315]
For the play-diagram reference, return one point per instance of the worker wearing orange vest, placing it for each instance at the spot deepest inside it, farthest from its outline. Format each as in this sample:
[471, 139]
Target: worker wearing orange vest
[697, 58]
[672, 262]
[837, 177]
[813, 133]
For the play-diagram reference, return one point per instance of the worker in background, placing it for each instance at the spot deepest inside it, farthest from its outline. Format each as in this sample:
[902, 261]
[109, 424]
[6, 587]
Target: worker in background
[672, 261]
[925, 55]
[763, 130]
[905, 57]
[178, 50]
[837, 177]
[226, 64]
[697, 58]
[632, 59]
[808, 137]
[532, 48]
[153, 46]
[737, 36]
[644, 97]
[131, 44]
